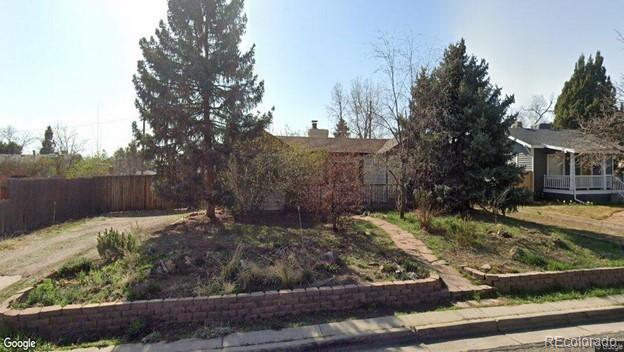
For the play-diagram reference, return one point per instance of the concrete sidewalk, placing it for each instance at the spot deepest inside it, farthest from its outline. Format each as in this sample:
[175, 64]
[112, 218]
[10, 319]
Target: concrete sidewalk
[428, 327]
[519, 341]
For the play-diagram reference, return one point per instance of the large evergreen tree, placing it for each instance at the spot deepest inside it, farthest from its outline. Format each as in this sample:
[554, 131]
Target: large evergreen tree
[47, 144]
[589, 93]
[458, 131]
[197, 90]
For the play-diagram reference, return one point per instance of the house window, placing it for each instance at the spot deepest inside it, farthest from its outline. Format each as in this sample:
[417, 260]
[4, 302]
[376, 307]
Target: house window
[555, 165]
[584, 166]
[597, 170]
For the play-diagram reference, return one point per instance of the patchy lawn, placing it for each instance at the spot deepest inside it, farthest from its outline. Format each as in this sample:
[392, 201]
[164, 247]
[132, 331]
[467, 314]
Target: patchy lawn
[590, 211]
[197, 258]
[511, 245]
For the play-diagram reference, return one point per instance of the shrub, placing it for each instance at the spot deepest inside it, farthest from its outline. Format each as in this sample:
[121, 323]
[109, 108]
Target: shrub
[330, 268]
[425, 208]
[286, 275]
[462, 231]
[332, 190]
[47, 294]
[112, 245]
[74, 267]
[138, 328]
[526, 256]
[143, 291]
[289, 274]
[410, 266]
[307, 275]
[254, 172]
[252, 278]
[214, 287]
[231, 269]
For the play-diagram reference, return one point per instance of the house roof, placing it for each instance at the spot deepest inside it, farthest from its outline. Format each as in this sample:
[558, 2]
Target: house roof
[568, 140]
[336, 145]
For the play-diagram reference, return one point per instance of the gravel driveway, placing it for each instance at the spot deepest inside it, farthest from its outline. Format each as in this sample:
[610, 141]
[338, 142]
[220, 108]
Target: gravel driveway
[39, 253]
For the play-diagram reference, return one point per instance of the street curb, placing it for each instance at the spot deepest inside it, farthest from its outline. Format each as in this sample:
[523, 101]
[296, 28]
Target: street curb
[447, 331]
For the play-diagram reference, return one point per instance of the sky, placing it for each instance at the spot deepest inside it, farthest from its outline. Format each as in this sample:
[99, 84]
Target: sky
[72, 61]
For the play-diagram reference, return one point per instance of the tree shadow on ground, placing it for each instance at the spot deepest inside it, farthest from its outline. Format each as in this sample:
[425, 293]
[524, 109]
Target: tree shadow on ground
[595, 242]
[144, 213]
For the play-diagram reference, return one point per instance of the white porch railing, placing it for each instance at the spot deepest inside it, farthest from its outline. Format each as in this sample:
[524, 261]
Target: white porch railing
[584, 182]
[557, 182]
[617, 184]
[590, 182]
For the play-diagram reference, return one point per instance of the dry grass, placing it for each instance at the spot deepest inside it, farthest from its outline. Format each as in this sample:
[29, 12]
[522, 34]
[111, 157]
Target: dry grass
[596, 212]
[511, 245]
[198, 258]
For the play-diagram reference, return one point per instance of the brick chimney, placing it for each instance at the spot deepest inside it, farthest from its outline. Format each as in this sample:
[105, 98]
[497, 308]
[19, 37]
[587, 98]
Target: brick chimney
[316, 132]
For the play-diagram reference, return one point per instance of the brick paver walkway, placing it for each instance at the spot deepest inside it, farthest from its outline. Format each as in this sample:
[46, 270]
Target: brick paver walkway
[417, 248]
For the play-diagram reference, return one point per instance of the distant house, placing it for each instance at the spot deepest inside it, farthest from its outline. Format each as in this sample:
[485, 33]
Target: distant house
[567, 164]
[379, 185]
[546, 155]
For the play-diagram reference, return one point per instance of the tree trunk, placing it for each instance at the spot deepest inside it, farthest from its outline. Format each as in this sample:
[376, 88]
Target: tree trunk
[209, 181]
[402, 202]
[403, 186]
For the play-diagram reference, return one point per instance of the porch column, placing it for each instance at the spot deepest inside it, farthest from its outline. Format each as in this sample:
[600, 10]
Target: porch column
[572, 172]
[604, 173]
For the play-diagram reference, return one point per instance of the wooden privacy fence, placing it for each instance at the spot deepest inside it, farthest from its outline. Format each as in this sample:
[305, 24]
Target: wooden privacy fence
[527, 181]
[37, 202]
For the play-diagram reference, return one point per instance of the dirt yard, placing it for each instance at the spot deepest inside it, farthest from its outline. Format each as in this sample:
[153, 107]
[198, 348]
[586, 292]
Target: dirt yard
[198, 258]
[37, 254]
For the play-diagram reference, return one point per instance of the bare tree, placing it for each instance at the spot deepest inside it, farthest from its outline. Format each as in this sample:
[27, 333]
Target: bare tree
[606, 129]
[397, 64]
[538, 110]
[337, 109]
[333, 191]
[290, 132]
[10, 135]
[364, 108]
[67, 140]
[620, 86]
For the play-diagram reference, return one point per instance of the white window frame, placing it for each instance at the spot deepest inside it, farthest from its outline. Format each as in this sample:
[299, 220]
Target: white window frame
[549, 156]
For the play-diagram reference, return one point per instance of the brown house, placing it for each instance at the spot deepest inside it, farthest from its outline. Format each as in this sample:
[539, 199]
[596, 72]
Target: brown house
[379, 185]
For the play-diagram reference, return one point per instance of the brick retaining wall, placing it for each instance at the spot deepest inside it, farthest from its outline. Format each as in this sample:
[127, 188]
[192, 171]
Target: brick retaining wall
[542, 281]
[98, 319]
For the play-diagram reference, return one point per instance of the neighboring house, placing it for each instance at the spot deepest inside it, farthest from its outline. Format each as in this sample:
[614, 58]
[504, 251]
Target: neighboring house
[379, 185]
[549, 158]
